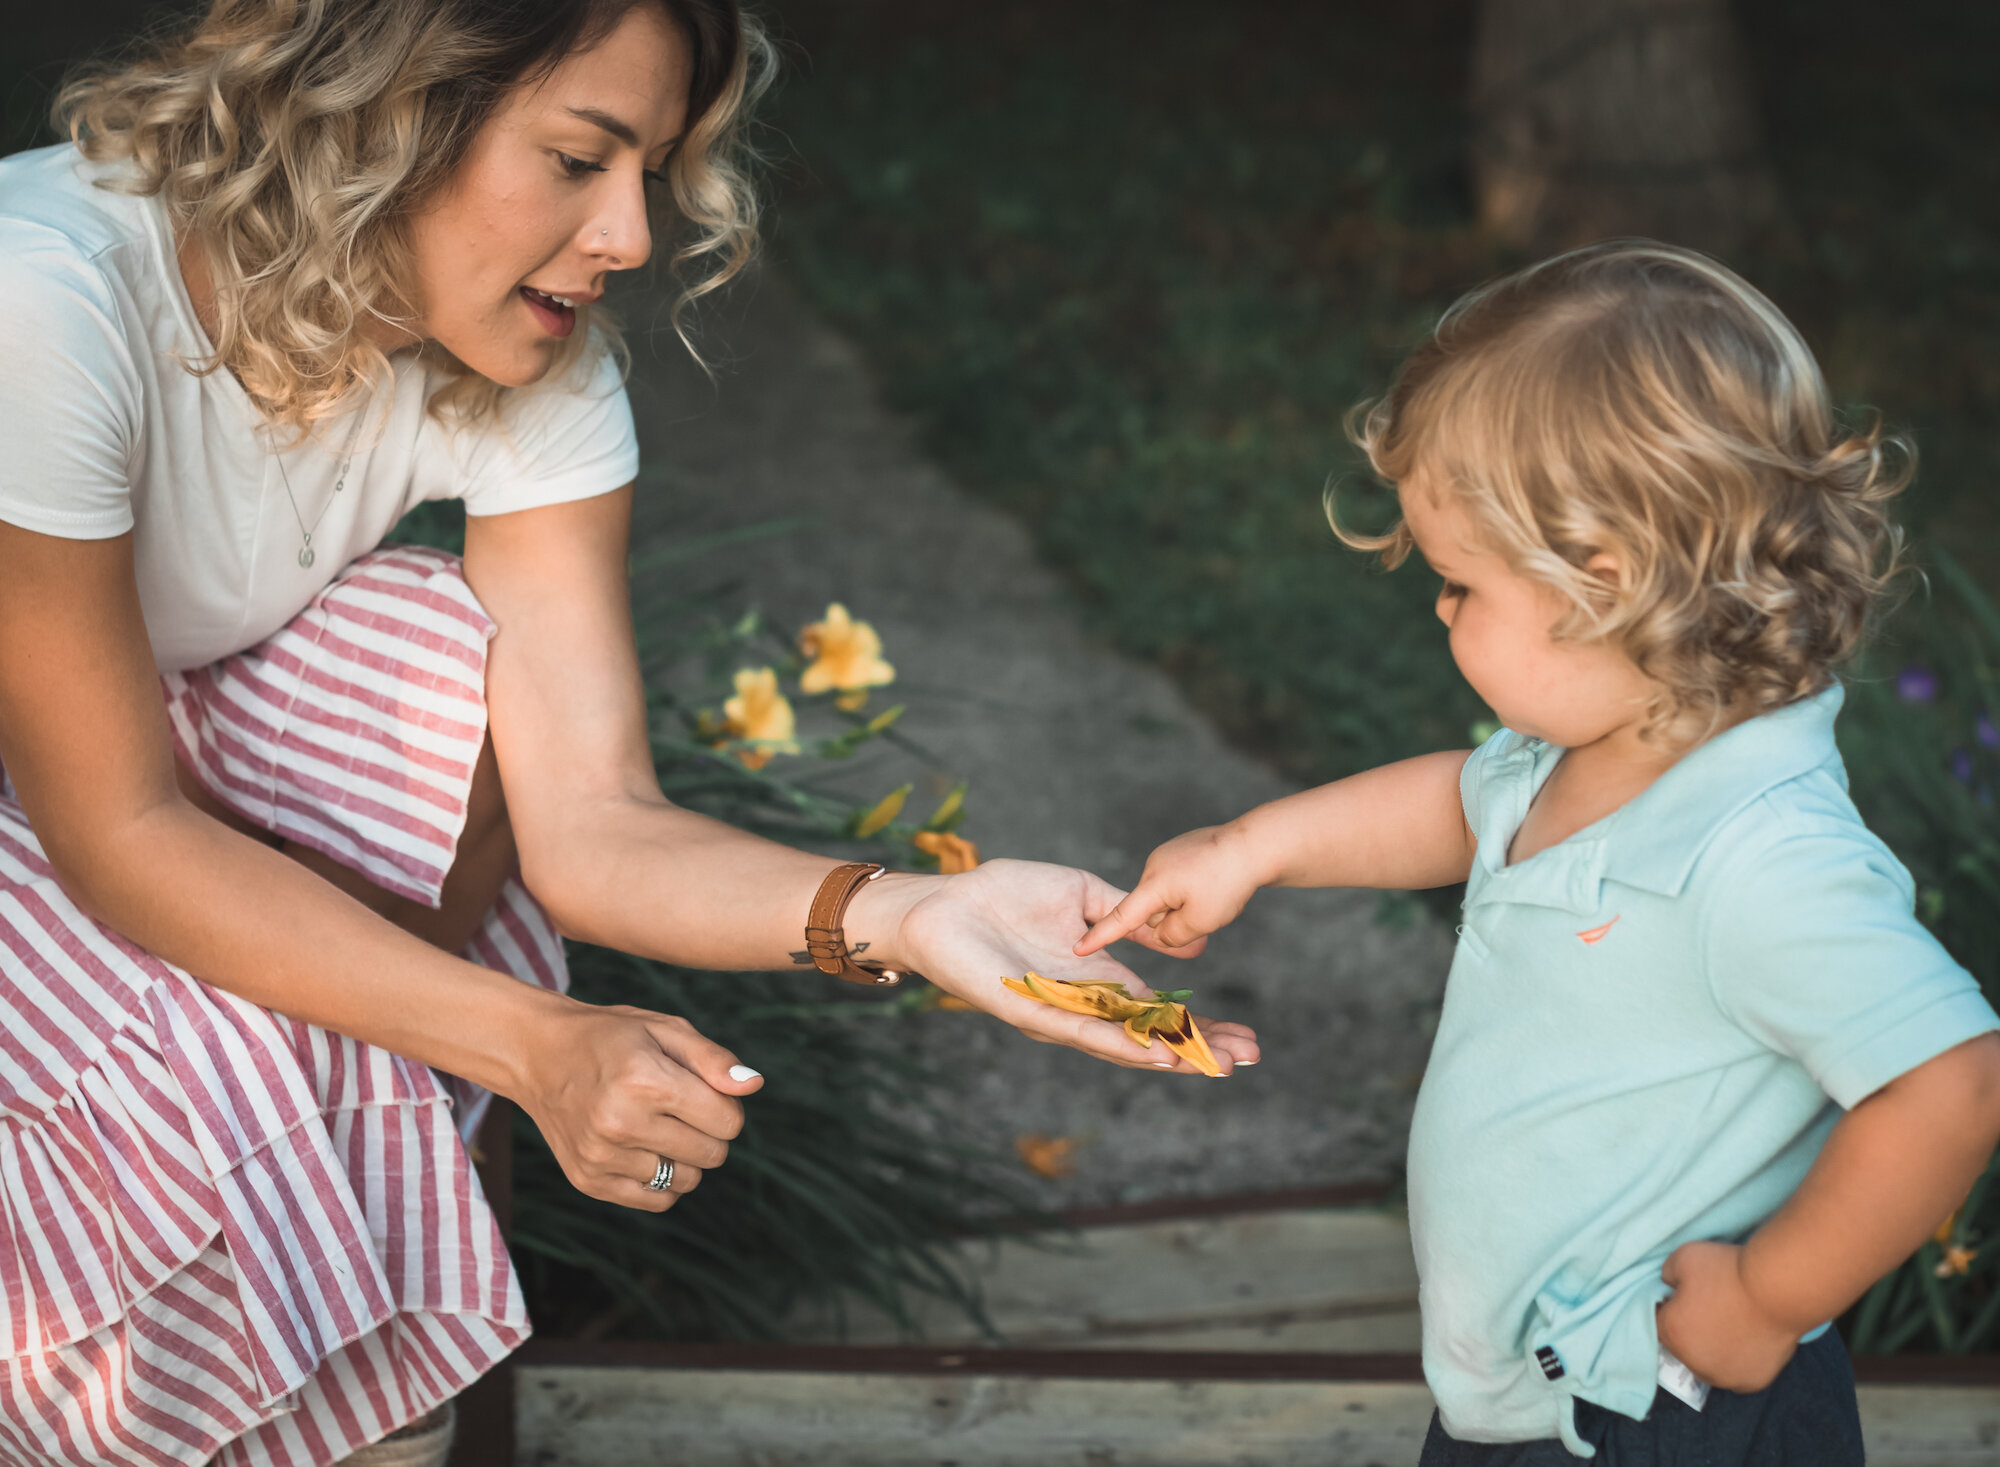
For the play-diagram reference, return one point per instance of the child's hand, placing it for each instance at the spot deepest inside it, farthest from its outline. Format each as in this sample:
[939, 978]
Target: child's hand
[1192, 885]
[1715, 1326]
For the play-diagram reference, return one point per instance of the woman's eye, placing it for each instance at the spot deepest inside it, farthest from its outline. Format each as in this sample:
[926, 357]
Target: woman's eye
[656, 175]
[1451, 591]
[577, 167]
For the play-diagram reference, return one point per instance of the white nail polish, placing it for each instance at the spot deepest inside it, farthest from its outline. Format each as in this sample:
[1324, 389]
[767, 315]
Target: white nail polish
[1161, 1065]
[744, 1072]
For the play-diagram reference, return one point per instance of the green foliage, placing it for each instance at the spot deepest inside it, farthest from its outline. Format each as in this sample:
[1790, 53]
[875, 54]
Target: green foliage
[836, 1189]
[1922, 750]
[1921, 739]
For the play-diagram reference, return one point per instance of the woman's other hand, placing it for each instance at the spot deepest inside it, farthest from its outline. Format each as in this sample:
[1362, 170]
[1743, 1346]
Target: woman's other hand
[617, 1090]
[966, 933]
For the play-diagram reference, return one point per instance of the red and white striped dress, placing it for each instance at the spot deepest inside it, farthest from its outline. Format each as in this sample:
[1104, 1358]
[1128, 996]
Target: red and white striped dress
[223, 1233]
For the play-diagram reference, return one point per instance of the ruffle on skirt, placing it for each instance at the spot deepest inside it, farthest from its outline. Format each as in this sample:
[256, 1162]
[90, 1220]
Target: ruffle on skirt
[223, 1231]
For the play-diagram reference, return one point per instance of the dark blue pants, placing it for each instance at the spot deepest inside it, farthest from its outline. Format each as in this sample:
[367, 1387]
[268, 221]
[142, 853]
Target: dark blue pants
[1804, 1418]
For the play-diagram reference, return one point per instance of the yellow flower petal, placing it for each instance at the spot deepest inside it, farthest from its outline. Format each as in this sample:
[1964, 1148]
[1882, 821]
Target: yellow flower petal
[948, 808]
[886, 809]
[1942, 1236]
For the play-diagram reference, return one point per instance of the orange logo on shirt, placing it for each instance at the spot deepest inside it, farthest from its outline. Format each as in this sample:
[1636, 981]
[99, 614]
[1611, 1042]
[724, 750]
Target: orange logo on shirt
[1596, 934]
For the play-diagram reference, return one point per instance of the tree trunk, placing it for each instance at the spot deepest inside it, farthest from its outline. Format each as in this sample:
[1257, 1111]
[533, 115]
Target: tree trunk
[1596, 118]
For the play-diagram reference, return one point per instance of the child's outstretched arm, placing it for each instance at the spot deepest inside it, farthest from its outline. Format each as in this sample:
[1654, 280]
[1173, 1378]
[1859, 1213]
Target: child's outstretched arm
[1400, 826]
[1894, 1166]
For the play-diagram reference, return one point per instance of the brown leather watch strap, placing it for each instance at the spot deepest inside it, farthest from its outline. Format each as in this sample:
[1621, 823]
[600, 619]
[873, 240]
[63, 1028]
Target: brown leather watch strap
[826, 942]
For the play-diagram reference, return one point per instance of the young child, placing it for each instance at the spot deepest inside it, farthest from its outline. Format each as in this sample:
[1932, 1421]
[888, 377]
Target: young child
[1700, 1077]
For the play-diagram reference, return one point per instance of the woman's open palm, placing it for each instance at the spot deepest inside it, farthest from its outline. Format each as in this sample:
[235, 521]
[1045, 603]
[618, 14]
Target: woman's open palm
[1006, 918]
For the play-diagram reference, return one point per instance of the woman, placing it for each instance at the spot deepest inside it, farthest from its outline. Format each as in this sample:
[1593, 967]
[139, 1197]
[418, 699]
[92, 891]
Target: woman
[308, 265]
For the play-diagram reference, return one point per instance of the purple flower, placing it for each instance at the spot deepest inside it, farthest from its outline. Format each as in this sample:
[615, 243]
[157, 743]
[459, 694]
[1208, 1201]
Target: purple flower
[1916, 684]
[1986, 731]
[1961, 765]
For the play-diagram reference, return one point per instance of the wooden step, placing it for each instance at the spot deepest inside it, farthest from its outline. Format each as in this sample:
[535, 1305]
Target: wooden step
[1314, 1279]
[625, 1416]
[1258, 1339]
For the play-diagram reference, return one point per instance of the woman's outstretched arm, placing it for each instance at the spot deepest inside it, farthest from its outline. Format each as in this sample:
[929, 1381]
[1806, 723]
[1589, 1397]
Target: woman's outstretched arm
[616, 863]
[83, 734]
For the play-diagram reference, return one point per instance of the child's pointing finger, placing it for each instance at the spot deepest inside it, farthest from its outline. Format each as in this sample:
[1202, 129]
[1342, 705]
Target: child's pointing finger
[1139, 909]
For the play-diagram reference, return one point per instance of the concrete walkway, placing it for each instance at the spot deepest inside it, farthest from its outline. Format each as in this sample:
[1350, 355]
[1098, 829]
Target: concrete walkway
[1074, 754]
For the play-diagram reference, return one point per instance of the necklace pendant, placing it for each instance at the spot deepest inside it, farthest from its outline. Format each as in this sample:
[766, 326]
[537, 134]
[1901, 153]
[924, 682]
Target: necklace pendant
[306, 557]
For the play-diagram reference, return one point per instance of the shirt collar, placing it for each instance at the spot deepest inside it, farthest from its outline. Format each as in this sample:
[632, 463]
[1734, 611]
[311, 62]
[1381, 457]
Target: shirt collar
[1654, 841]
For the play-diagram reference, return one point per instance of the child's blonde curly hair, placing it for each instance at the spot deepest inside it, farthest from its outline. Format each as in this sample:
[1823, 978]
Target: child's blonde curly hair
[1639, 399]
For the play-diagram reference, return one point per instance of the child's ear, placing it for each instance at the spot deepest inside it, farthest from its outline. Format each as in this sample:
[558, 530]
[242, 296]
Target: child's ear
[1606, 568]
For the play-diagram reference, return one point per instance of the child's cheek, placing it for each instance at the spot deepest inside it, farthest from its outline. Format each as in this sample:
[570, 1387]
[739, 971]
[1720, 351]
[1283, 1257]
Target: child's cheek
[1469, 652]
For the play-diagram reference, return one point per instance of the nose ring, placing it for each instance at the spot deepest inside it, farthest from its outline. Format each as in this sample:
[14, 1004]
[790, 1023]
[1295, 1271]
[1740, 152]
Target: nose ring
[604, 231]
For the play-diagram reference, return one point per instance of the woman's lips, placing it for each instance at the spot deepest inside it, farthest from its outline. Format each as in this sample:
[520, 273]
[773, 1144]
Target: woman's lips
[555, 317]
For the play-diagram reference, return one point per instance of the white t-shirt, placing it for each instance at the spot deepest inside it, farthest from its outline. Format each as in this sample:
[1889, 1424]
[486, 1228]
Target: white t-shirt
[103, 429]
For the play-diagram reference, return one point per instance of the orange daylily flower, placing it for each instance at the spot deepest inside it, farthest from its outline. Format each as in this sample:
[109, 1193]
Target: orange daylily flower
[1161, 1017]
[936, 999]
[954, 852]
[846, 656]
[759, 712]
[1047, 1156]
[1957, 1257]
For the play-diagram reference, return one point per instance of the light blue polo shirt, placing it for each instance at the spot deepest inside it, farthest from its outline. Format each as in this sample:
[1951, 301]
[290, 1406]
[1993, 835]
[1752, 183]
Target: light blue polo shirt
[1648, 1032]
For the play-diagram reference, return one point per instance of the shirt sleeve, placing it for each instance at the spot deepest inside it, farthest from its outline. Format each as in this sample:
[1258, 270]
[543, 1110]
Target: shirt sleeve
[567, 440]
[1813, 948]
[70, 399]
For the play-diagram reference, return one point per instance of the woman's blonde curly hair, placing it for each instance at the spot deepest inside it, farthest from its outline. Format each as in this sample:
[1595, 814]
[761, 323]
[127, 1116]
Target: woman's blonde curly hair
[291, 139]
[1642, 400]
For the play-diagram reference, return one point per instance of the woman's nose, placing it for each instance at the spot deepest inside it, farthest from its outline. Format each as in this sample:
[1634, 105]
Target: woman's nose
[620, 236]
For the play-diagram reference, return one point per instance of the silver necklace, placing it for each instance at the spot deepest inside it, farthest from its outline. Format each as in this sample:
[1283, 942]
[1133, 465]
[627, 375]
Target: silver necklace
[306, 533]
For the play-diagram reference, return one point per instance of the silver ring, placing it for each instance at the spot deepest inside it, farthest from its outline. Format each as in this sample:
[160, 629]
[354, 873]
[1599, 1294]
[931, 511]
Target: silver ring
[663, 1176]
[604, 231]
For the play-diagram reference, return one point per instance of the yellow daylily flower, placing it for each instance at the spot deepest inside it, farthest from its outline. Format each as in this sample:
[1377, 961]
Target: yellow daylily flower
[1956, 1260]
[761, 713]
[954, 852]
[846, 657]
